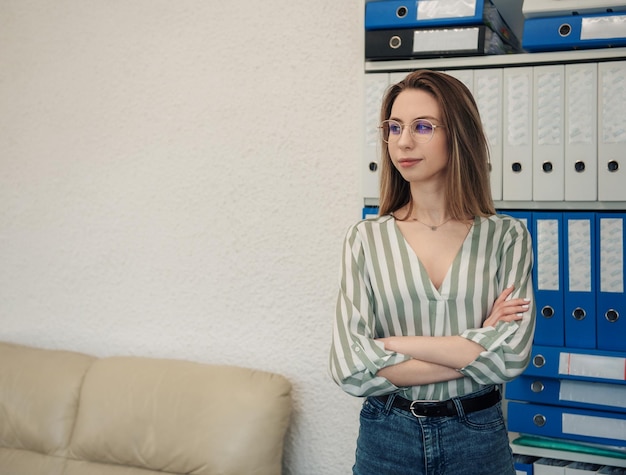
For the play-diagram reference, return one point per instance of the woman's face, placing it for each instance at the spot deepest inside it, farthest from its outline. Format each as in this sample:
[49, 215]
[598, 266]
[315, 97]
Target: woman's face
[418, 162]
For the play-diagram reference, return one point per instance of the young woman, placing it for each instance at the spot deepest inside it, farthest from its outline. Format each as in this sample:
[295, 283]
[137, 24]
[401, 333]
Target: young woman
[435, 307]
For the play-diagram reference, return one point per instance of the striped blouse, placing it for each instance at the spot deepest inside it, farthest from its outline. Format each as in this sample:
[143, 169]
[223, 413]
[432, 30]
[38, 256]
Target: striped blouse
[385, 291]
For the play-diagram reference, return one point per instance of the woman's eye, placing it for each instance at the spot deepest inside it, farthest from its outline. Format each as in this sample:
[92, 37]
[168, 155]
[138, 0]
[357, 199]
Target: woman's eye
[422, 127]
[395, 129]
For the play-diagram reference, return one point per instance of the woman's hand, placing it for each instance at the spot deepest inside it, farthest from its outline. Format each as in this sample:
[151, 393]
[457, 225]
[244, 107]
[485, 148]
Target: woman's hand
[506, 310]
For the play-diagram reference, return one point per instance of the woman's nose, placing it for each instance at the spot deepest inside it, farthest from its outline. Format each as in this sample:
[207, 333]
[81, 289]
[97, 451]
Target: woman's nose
[405, 139]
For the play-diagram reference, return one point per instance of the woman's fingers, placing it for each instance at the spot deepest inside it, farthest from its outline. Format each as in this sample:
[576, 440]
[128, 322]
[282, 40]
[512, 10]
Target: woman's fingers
[505, 294]
[508, 311]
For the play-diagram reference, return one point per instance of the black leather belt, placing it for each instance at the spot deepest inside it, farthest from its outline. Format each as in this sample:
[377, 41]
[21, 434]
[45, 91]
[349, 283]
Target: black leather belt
[444, 408]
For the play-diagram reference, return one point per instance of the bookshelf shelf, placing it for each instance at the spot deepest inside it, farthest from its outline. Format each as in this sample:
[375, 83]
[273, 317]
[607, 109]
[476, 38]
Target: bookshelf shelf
[491, 61]
[564, 454]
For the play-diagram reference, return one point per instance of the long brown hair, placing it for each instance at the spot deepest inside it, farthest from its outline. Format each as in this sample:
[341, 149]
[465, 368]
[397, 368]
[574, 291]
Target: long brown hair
[468, 191]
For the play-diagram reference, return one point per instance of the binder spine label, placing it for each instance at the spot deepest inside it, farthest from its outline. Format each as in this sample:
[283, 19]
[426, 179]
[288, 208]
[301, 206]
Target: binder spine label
[375, 87]
[592, 366]
[611, 255]
[436, 9]
[547, 254]
[581, 106]
[603, 28]
[451, 39]
[579, 255]
[490, 105]
[585, 392]
[613, 117]
[518, 96]
[592, 426]
[549, 110]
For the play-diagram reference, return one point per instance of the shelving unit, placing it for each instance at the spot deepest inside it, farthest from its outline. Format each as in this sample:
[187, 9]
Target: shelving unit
[395, 68]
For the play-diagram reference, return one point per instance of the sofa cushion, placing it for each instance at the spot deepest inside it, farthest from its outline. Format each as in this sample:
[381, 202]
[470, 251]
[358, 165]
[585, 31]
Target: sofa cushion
[81, 467]
[25, 462]
[181, 417]
[39, 392]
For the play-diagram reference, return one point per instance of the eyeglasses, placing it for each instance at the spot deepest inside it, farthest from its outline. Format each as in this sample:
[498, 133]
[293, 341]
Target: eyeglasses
[421, 130]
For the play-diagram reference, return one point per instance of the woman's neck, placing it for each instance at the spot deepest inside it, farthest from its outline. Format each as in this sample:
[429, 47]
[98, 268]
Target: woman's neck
[429, 204]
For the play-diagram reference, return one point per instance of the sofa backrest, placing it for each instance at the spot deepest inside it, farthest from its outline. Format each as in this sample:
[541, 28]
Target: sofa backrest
[68, 414]
[39, 393]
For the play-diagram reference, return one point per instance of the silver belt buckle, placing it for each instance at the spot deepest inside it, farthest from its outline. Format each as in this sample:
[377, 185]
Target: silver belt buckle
[419, 401]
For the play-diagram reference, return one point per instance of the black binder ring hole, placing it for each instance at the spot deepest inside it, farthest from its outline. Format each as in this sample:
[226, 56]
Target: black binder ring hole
[539, 420]
[612, 315]
[565, 29]
[579, 314]
[373, 166]
[547, 167]
[516, 167]
[579, 166]
[395, 42]
[539, 361]
[401, 12]
[547, 311]
[613, 166]
[537, 387]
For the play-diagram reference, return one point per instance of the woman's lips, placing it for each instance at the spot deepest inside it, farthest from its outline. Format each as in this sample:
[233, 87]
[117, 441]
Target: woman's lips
[408, 162]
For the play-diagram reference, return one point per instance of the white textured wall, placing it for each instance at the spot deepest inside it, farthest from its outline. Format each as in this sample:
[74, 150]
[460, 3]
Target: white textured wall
[175, 181]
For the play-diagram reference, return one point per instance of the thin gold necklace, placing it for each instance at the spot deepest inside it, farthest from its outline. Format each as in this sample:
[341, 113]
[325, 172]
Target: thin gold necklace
[431, 226]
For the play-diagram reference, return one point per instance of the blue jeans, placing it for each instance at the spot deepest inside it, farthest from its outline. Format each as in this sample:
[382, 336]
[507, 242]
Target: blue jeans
[395, 442]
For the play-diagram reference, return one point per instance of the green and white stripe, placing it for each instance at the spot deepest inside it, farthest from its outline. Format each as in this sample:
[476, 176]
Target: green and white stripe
[385, 291]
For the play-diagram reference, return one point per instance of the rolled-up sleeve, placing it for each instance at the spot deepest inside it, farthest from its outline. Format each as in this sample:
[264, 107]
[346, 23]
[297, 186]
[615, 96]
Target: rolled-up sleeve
[508, 345]
[356, 356]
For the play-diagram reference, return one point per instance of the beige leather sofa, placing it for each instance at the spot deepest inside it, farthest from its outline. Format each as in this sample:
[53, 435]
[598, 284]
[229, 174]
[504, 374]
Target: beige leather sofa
[66, 413]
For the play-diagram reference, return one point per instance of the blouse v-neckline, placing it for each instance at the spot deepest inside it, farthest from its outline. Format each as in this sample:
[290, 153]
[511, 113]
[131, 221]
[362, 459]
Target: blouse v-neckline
[438, 291]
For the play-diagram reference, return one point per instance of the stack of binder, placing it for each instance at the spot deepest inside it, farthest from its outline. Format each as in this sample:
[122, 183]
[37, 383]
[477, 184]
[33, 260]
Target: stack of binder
[550, 466]
[575, 385]
[558, 25]
[400, 29]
